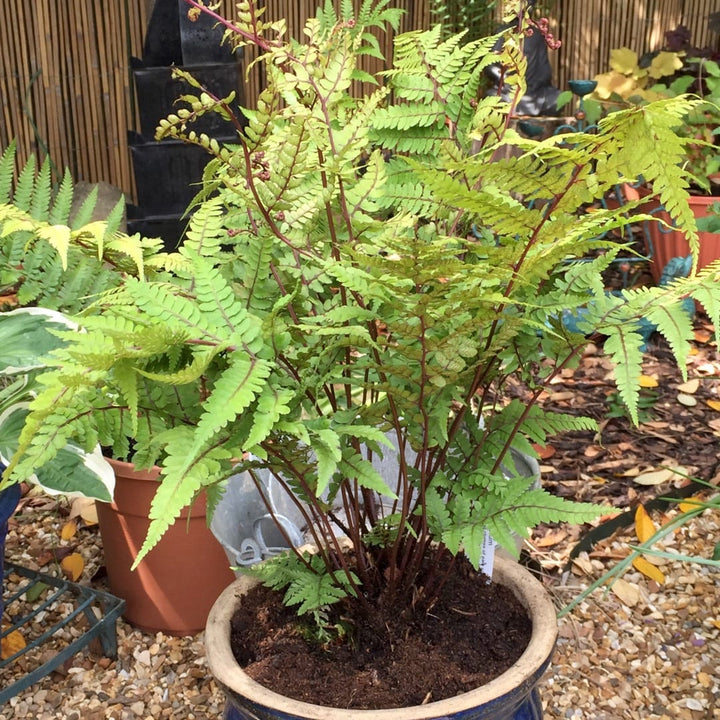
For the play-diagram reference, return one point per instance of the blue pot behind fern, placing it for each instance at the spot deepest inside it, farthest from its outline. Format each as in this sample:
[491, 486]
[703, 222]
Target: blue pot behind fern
[9, 499]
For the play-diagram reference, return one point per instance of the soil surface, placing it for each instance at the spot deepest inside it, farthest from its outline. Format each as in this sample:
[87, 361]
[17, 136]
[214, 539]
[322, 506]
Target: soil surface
[474, 633]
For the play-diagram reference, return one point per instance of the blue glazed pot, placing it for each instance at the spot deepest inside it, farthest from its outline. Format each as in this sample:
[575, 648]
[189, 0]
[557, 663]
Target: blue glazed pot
[9, 499]
[511, 696]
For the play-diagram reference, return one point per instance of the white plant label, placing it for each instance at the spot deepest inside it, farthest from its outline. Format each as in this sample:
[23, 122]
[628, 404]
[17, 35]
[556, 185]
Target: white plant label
[487, 562]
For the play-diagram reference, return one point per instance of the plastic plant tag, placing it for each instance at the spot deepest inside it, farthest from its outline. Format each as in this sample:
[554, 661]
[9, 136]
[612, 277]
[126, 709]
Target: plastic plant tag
[487, 561]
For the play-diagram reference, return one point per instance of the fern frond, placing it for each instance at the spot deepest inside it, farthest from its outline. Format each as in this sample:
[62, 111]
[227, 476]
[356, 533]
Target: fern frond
[7, 171]
[624, 345]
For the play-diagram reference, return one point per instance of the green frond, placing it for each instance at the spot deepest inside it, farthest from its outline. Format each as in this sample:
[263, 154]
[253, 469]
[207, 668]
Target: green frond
[62, 204]
[84, 213]
[181, 481]
[234, 391]
[624, 346]
[7, 172]
[25, 187]
[42, 192]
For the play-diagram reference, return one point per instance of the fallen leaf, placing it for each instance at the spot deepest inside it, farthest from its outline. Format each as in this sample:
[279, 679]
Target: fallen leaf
[690, 387]
[559, 396]
[645, 381]
[69, 530]
[629, 593]
[84, 508]
[35, 591]
[655, 477]
[649, 570]
[11, 643]
[582, 562]
[702, 337]
[644, 526]
[714, 404]
[691, 503]
[73, 566]
[552, 538]
[686, 400]
[544, 451]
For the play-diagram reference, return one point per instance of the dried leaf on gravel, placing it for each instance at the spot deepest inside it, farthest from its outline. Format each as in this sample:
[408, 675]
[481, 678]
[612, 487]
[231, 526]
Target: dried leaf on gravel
[12, 643]
[73, 566]
[644, 566]
[629, 593]
[644, 525]
[69, 530]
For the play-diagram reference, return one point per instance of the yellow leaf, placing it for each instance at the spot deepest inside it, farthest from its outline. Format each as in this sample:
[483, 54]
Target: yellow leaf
[73, 566]
[692, 503]
[12, 643]
[649, 570]
[664, 64]
[644, 526]
[623, 60]
[615, 83]
[645, 381]
[714, 404]
[69, 529]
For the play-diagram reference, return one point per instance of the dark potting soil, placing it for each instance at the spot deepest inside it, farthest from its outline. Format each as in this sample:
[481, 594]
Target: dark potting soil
[474, 633]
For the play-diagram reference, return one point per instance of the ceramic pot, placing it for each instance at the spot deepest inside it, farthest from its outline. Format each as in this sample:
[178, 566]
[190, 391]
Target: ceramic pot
[174, 587]
[665, 243]
[511, 696]
[9, 499]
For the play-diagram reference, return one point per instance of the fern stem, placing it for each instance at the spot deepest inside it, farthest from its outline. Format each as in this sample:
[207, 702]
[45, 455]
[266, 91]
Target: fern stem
[253, 38]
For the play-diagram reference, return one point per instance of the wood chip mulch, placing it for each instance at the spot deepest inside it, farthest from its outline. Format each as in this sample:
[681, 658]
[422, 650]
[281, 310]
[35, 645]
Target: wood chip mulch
[641, 649]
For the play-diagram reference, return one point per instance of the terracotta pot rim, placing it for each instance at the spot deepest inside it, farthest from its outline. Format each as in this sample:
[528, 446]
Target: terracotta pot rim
[531, 663]
[127, 469]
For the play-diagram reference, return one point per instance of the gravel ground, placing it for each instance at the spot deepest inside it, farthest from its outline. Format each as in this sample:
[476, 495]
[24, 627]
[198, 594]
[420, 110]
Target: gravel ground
[648, 651]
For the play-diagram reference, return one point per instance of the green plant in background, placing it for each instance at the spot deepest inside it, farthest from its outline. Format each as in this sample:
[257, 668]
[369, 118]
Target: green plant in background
[367, 277]
[668, 74]
[26, 337]
[477, 18]
[48, 266]
[50, 259]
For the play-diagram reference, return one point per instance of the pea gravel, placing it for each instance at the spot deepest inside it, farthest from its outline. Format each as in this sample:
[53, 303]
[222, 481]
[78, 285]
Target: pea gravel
[652, 654]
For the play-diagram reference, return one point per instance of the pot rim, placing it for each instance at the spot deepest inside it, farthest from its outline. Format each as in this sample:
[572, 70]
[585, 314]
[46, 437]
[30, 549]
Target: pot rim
[529, 591]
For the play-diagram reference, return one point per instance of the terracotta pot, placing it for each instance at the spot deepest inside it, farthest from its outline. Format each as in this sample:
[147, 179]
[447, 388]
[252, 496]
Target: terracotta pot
[174, 587]
[511, 696]
[664, 243]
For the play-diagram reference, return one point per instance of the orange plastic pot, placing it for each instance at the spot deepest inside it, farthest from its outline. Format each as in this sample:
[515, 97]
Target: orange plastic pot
[668, 243]
[175, 585]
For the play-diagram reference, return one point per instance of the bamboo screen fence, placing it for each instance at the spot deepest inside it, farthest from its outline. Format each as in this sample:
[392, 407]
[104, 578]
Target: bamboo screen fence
[66, 87]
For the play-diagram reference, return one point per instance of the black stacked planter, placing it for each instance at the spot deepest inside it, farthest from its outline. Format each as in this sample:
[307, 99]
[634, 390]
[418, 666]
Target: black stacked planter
[168, 173]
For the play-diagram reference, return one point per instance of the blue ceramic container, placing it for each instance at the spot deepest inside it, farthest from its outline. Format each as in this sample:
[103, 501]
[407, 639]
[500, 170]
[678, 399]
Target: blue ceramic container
[511, 696]
[9, 499]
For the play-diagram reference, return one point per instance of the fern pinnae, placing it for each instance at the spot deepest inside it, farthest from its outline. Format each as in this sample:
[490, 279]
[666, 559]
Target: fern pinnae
[42, 192]
[85, 212]
[234, 391]
[624, 346]
[62, 204]
[675, 324]
[7, 171]
[22, 197]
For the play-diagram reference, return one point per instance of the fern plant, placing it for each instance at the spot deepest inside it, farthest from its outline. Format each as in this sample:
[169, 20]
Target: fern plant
[367, 276]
